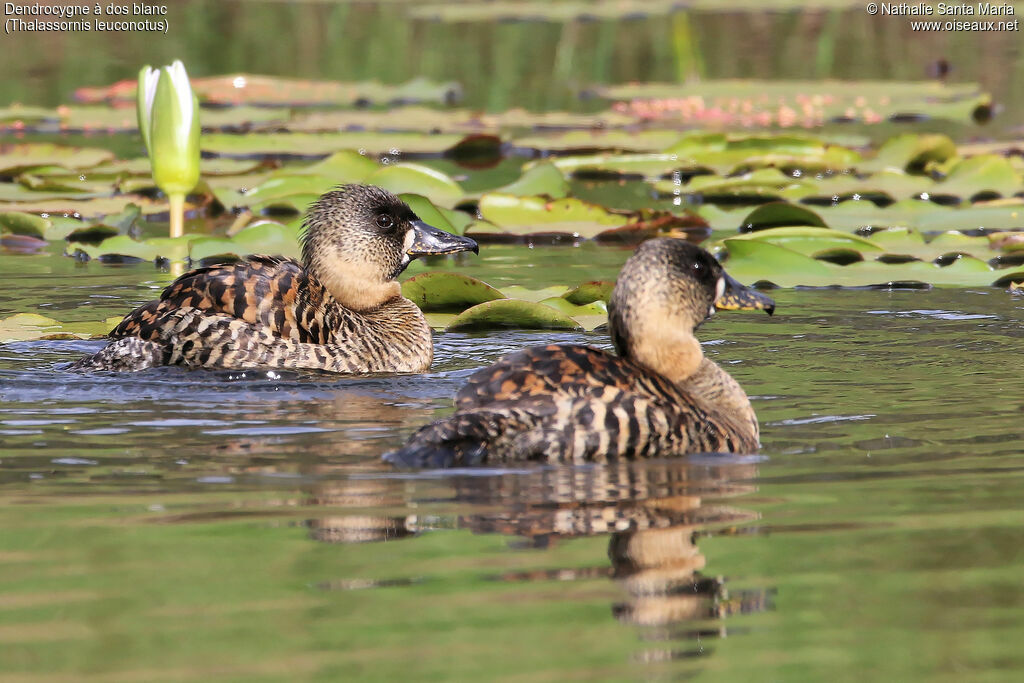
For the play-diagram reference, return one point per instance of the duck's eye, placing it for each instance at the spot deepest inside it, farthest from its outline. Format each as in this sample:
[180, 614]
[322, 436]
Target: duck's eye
[698, 267]
[384, 221]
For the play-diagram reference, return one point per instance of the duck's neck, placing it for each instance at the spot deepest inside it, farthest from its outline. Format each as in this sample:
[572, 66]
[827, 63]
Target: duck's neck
[716, 388]
[356, 286]
[676, 354]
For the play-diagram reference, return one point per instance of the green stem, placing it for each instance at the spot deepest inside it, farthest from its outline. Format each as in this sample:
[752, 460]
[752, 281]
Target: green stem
[177, 214]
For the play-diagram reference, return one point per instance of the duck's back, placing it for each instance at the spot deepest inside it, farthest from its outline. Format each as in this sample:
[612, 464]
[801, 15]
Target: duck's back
[266, 311]
[273, 292]
[570, 403]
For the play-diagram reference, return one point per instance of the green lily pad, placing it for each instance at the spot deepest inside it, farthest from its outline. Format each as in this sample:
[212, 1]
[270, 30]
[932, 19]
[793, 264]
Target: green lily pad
[21, 223]
[778, 214]
[910, 152]
[524, 215]
[261, 237]
[30, 155]
[595, 139]
[535, 295]
[29, 326]
[645, 165]
[891, 184]
[981, 174]
[429, 213]
[347, 166]
[808, 241]
[759, 185]
[417, 179]
[446, 292]
[172, 249]
[323, 144]
[761, 261]
[89, 209]
[541, 178]
[512, 313]
[589, 292]
[283, 185]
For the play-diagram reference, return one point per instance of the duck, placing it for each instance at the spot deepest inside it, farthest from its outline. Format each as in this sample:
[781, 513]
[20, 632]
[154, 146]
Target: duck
[570, 403]
[340, 309]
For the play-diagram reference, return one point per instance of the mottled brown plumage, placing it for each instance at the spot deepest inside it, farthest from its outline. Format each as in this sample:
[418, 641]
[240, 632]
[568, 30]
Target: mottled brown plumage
[568, 403]
[340, 310]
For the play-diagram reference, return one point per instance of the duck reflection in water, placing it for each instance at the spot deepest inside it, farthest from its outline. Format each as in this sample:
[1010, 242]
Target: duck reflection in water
[653, 513]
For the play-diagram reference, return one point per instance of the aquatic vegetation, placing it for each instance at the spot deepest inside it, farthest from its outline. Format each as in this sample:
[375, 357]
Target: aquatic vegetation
[875, 213]
[168, 113]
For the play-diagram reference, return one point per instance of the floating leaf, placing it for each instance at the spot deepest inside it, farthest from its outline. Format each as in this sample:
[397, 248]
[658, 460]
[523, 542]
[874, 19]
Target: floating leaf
[236, 89]
[30, 155]
[172, 249]
[535, 295]
[512, 313]
[417, 179]
[539, 214]
[586, 140]
[262, 237]
[761, 261]
[981, 175]
[322, 144]
[429, 213]
[778, 214]
[910, 152]
[20, 223]
[541, 178]
[649, 165]
[588, 292]
[28, 326]
[440, 291]
[808, 241]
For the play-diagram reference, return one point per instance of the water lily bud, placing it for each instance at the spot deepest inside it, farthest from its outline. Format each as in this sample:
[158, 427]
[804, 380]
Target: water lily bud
[173, 131]
[145, 93]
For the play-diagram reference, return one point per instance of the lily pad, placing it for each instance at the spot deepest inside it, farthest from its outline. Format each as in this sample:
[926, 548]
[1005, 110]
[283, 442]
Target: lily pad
[910, 152]
[512, 313]
[237, 89]
[589, 292]
[261, 237]
[981, 174]
[20, 223]
[30, 155]
[432, 215]
[316, 145]
[541, 178]
[29, 326]
[778, 214]
[761, 261]
[417, 179]
[524, 215]
[447, 292]
[535, 295]
[172, 249]
[808, 241]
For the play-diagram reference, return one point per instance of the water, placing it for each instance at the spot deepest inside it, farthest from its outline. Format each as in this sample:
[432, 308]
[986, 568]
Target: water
[181, 525]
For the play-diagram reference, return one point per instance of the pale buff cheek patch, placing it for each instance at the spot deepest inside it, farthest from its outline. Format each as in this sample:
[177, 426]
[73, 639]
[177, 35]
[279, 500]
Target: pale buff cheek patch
[410, 237]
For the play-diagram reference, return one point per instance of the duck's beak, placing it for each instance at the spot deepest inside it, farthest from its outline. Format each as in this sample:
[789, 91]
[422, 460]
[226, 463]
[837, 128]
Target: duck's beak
[429, 240]
[734, 296]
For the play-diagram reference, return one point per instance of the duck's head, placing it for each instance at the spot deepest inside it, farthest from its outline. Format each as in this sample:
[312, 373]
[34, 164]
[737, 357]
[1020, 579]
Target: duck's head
[358, 238]
[666, 289]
